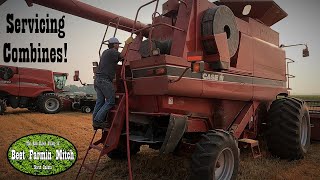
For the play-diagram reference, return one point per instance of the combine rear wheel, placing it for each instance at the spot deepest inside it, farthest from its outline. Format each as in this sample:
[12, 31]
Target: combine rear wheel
[216, 157]
[3, 107]
[49, 103]
[288, 134]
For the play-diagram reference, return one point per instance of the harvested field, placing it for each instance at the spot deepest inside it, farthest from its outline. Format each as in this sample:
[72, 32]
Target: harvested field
[147, 165]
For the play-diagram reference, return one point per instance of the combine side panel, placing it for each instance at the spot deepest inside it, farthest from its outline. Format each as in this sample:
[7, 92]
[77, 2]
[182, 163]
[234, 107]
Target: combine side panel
[33, 82]
[314, 110]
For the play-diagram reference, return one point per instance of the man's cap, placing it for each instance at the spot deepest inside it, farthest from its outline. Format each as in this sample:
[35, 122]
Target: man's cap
[113, 40]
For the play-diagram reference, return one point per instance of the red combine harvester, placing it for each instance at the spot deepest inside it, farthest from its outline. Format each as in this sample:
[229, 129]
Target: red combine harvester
[34, 89]
[207, 77]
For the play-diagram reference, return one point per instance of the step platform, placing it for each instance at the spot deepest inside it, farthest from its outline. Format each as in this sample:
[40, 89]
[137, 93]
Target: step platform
[254, 145]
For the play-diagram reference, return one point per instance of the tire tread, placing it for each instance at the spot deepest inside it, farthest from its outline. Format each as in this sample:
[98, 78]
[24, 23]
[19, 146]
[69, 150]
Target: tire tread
[207, 149]
[283, 138]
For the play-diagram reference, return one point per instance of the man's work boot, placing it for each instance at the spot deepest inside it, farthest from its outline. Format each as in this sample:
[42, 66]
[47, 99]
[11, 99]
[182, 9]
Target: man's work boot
[101, 125]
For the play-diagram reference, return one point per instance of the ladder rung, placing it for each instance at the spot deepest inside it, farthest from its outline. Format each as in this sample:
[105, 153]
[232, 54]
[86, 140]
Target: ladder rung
[96, 147]
[88, 167]
[103, 129]
[120, 94]
[248, 141]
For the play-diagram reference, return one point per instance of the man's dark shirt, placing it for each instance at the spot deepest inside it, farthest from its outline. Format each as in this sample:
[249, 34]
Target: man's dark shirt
[108, 64]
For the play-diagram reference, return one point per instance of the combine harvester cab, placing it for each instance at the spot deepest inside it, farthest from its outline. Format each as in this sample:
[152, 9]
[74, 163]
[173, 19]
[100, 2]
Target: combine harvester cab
[209, 78]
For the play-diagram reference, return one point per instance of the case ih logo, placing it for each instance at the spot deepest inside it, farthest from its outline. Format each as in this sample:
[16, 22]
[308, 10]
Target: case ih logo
[5, 82]
[213, 77]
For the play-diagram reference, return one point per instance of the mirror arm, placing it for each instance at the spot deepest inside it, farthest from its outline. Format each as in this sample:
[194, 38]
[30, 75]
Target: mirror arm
[285, 46]
[305, 52]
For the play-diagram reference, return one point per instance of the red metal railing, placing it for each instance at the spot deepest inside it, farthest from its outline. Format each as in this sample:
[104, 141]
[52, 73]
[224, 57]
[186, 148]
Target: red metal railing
[314, 106]
[288, 75]
[152, 24]
[103, 42]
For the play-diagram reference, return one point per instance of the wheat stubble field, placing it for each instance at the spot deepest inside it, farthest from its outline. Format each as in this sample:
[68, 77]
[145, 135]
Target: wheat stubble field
[147, 164]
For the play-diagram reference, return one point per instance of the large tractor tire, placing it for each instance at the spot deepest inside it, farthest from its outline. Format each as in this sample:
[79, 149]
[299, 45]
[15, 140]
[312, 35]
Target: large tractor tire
[3, 107]
[50, 103]
[216, 157]
[288, 128]
[121, 152]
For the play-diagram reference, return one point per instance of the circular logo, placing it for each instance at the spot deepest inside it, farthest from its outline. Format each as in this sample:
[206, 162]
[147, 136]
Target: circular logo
[42, 154]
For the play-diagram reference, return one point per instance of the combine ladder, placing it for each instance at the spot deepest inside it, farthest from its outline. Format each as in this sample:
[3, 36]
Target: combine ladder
[110, 137]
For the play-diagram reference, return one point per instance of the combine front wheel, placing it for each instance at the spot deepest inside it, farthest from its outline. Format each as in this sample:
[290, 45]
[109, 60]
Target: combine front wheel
[49, 103]
[288, 134]
[216, 157]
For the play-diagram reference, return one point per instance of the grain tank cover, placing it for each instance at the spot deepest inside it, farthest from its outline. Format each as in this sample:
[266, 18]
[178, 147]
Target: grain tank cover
[266, 11]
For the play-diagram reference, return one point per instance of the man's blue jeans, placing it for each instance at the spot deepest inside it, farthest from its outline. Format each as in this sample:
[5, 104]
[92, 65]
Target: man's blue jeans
[105, 98]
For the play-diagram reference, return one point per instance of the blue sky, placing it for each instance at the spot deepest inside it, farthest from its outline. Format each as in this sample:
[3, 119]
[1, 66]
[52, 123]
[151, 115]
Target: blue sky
[84, 37]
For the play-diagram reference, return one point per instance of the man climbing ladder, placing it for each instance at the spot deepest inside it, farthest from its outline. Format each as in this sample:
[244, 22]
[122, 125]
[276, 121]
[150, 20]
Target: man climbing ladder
[110, 135]
[103, 82]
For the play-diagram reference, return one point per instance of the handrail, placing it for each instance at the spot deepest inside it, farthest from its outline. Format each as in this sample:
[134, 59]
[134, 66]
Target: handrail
[123, 76]
[289, 76]
[105, 33]
[153, 25]
[155, 10]
[158, 24]
[135, 20]
[183, 2]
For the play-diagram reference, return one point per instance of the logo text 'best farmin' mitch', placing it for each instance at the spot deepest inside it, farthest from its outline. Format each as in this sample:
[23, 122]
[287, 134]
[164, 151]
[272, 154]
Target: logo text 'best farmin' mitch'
[42, 154]
[47, 155]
